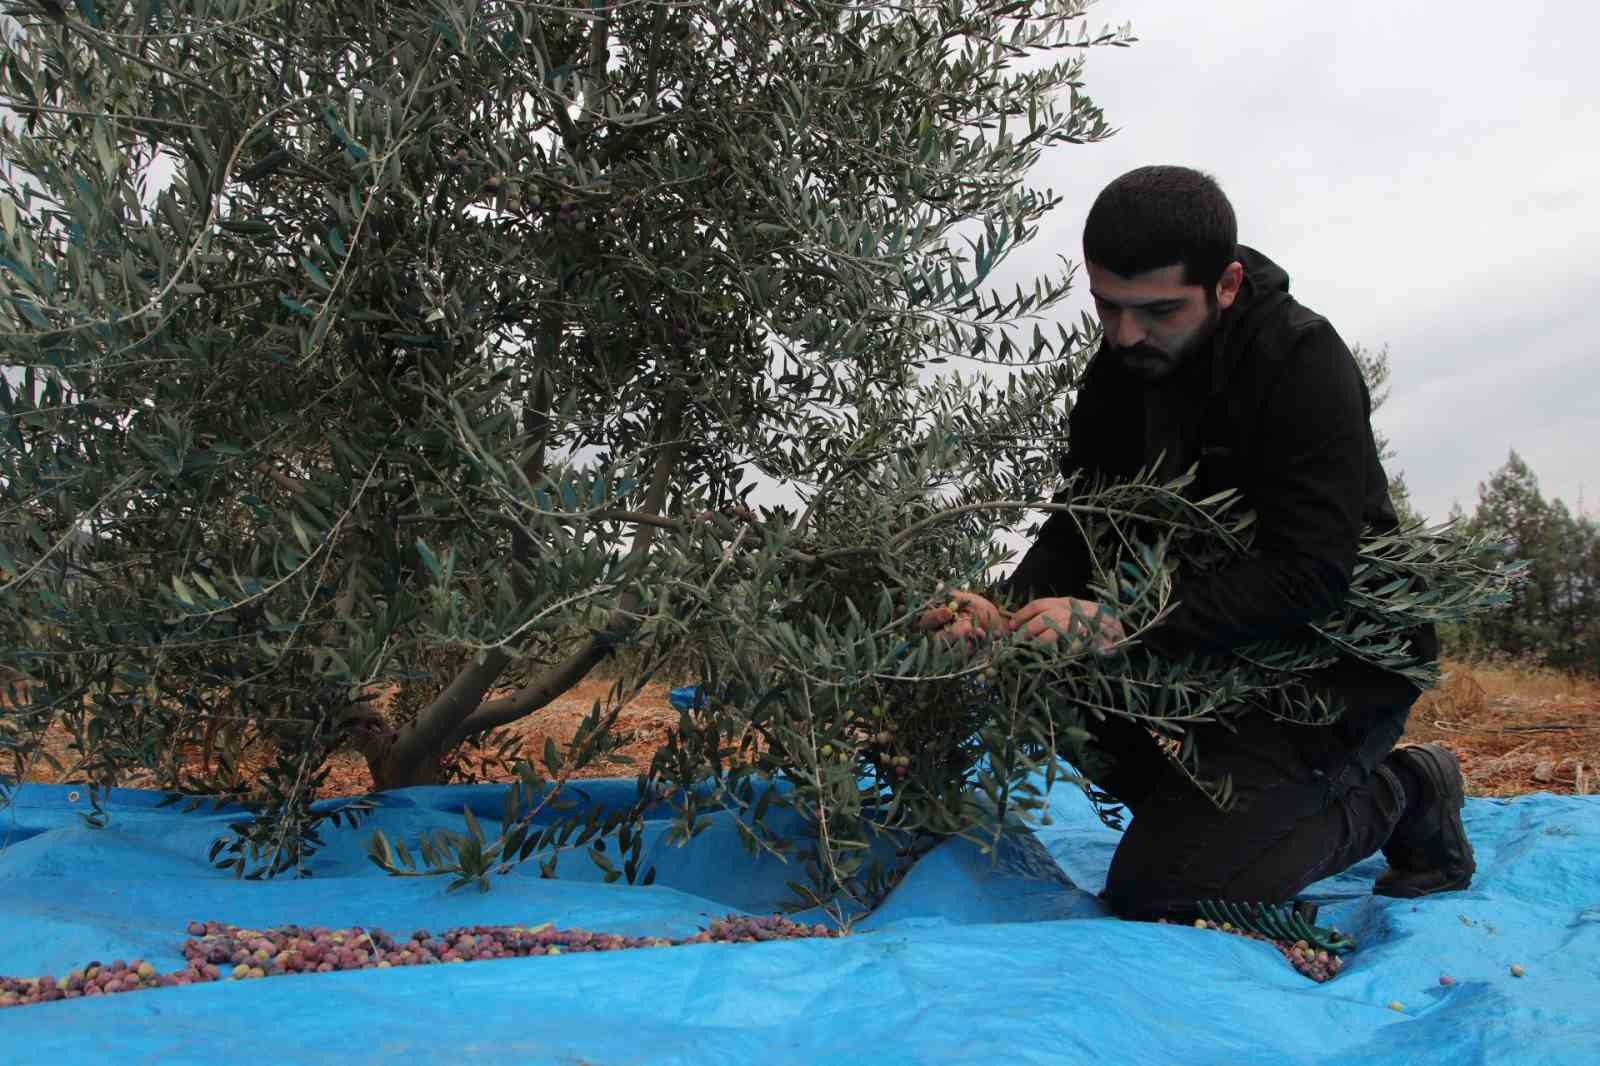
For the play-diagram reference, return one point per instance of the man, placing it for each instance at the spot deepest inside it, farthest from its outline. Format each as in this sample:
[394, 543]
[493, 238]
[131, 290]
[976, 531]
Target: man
[1206, 357]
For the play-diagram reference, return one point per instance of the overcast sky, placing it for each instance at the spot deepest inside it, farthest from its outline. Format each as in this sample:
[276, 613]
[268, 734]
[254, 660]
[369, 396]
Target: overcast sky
[1425, 170]
[1427, 173]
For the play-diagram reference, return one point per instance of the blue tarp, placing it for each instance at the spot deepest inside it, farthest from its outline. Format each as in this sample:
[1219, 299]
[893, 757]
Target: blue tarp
[968, 961]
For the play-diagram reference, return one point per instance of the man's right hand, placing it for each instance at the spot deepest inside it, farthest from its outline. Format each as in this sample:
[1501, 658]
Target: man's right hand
[967, 617]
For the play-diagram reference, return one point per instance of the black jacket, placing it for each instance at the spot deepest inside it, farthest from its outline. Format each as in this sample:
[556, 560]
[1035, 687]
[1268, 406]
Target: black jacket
[1275, 407]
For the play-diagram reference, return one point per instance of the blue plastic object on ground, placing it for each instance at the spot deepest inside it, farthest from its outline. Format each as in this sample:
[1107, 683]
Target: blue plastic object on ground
[686, 698]
[968, 961]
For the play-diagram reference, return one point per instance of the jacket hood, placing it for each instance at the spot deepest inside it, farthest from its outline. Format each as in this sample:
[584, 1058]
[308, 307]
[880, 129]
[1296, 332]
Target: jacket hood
[1262, 278]
[1262, 274]
[1261, 299]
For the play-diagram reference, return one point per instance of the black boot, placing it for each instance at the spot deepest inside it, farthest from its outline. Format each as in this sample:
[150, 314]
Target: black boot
[1428, 851]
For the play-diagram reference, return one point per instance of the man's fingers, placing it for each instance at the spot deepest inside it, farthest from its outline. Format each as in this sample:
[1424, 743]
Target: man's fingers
[960, 631]
[1112, 634]
[1025, 616]
[978, 608]
[1043, 634]
[945, 625]
[967, 616]
[1060, 606]
[1080, 621]
[1045, 627]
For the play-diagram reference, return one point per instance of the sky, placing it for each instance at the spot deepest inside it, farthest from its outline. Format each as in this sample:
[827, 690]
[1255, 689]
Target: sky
[1423, 170]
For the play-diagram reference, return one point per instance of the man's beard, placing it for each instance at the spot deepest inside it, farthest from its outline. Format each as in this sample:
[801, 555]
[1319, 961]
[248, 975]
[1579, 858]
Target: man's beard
[1152, 364]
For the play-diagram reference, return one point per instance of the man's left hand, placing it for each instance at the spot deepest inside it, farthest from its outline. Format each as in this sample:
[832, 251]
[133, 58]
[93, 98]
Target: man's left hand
[968, 617]
[1080, 622]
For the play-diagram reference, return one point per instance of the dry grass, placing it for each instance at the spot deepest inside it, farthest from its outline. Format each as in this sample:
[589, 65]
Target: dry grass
[1529, 681]
[642, 728]
[1516, 727]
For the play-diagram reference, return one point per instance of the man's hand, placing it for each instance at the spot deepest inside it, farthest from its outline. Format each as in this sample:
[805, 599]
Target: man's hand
[1080, 622]
[967, 617]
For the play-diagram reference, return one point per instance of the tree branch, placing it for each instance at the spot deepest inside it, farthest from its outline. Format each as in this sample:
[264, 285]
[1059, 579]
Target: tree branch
[569, 132]
[536, 434]
[599, 56]
[425, 737]
[284, 481]
[575, 667]
[22, 108]
[658, 32]
[524, 701]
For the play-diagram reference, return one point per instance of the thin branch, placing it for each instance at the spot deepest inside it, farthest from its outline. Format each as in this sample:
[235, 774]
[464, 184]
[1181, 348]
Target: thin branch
[599, 54]
[569, 131]
[658, 32]
[83, 29]
[536, 435]
[564, 675]
[24, 109]
[284, 481]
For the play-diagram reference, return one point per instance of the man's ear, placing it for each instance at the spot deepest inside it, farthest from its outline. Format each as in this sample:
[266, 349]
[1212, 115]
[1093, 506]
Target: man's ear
[1228, 285]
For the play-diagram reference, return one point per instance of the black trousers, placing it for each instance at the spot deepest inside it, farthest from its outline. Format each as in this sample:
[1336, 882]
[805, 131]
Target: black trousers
[1309, 802]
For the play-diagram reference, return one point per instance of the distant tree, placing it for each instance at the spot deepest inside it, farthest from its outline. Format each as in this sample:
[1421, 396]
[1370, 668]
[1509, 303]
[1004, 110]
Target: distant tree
[1554, 612]
[1375, 369]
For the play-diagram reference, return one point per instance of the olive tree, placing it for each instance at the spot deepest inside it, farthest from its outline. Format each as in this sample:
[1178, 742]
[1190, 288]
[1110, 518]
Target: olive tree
[443, 345]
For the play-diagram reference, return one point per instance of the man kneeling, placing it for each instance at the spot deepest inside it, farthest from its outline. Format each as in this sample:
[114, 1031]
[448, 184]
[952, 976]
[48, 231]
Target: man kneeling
[1207, 359]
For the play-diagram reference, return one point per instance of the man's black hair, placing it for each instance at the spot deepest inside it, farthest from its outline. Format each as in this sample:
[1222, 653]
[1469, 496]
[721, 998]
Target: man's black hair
[1154, 217]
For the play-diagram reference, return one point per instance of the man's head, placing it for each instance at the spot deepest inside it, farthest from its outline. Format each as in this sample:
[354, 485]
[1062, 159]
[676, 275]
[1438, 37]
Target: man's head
[1160, 245]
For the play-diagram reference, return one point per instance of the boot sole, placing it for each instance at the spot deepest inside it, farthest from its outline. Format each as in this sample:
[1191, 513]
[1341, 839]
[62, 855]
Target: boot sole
[1408, 892]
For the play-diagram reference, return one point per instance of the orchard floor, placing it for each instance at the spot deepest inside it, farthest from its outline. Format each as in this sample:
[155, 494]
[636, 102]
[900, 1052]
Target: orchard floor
[1516, 730]
[974, 957]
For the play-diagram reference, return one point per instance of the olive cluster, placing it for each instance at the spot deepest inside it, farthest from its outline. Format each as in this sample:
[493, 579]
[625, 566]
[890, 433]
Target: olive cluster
[1313, 962]
[95, 979]
[887, 756]
[215, 951]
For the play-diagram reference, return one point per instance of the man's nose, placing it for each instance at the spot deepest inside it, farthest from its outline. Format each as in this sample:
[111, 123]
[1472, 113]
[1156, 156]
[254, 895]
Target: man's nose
[1127, 332]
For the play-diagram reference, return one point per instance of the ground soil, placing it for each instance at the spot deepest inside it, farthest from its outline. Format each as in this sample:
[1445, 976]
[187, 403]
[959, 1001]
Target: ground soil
[642, 727]
[1516, 729]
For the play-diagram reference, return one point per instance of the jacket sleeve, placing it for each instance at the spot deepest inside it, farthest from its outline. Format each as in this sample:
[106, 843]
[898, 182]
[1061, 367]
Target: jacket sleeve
[1305, 477]
[1057, 563]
